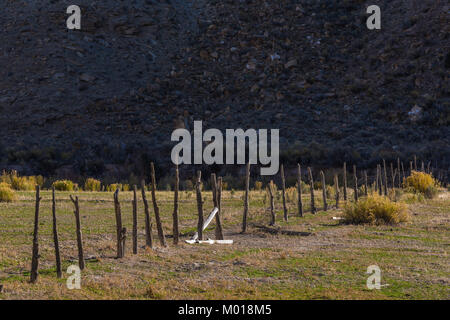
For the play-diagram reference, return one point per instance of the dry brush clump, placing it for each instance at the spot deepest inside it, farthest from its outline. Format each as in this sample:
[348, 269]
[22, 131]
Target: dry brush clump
[92, 184]
[6, 193]
[375, 209]
[25, 183]
[64, 185]
[421, 182]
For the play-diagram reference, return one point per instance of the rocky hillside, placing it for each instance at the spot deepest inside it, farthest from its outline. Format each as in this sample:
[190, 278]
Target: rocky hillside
[104, 100]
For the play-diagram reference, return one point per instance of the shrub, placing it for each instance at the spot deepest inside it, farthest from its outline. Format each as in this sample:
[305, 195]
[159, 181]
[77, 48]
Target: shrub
[63, 185]
[6, 193]
[23, 183]
[113, 187]
[125, 187]
[420, 181]
[258, 185]
[431, 192]
[92, 184]
[375, 209]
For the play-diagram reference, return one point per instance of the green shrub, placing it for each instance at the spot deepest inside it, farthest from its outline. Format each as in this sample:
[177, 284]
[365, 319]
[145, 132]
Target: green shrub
[375, 209]
[6, 193]
[63, 185]
[92, 184]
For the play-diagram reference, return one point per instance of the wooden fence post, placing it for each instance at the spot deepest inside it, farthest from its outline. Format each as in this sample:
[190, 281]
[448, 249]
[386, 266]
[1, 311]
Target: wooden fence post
[247, 186]
[336, 190]
[55, 236]
[324, 191]
[219, 232]
[399, 174]
[415, 163]
[148, 223]
[119, 229]
[345, 181]
[159, 227]
[79, 237]
[311, 186]
[392, 177]
[176, 232]
[422, 167]
[356, 184]
[403, 176]
[135, 240]
[215, 192]
[272, 209]
[283, 187]
[299, 190]
[198, 189]
[35, 253]
[366, 186]
[380, 177]
[385, 178]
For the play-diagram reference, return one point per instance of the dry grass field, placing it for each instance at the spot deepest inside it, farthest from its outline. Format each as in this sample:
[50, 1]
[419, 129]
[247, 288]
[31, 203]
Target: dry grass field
[330, 263]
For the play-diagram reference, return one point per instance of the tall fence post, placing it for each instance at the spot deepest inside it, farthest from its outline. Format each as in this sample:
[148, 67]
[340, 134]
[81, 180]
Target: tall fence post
[324, 191]
[35, 253]
[55, 236]
[159, 227]
[148, 222]
[219, 232]
[311, 186]
[385, 178]
[345, 181]
[299, 190]
[176, 232]
[119, 229]
[366, 187]
[272, 206]
[283, 187]
[355, 186]
[79, 236]
[336, 190]
[215, 192]
[198, 188]
[135, 240]
[247, 187]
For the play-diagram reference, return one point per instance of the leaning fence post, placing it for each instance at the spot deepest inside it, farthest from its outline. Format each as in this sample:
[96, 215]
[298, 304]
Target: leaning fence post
[199, 205]
[324, 191]
[299, 190]
[135, 240]
[175, 231]
[247, 187]
[283, 187]
[79, 237]
[356, 184]
[35, 256]
[311, 186]
[159, 227]
[215, 192]
[345, 181]
[119, 229]
[148, 223]
[55, 236]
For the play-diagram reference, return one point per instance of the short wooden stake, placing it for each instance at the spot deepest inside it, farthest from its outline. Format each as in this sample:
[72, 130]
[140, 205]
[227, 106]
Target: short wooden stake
[336, 190]
[345, 180]
[272, 205]
[198, 188]
[215, 192]
[311, 186]
[176, 232]
[355, 186]
[283, 187]
[247, 190]
[119, 229]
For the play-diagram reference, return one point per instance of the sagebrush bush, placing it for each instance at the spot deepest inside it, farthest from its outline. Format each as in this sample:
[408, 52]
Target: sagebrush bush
[63, 185]
[113, 187]
[92, 184]
[420, 181]
[258, 185]
[6, 193]
[375, 209]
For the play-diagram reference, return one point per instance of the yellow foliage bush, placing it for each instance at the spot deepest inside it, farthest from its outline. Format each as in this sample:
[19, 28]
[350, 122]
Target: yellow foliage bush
[63, 185]
[92, 184]
[422, 182]
[375, 209]
[6, 193]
